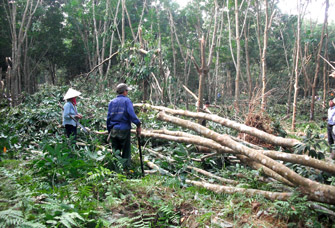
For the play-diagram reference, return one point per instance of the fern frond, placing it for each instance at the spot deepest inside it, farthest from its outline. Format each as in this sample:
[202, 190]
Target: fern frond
[68, 219]
[122, 222]
[32, 225]
[11, 217]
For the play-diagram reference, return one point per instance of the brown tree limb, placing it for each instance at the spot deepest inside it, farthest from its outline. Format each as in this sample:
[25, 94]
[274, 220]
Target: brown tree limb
[94, 68]
[203, 172]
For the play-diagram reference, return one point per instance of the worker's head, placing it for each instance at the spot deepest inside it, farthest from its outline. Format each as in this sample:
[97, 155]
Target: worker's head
[121, 88]
[207, 104]
[71, 93]
[332, 103]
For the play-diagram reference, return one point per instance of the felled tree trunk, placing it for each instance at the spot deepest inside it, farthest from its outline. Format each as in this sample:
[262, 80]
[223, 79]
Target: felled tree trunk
[274, 140]
[203, 141]
[315, 190]
[249, 192]
[276, 155]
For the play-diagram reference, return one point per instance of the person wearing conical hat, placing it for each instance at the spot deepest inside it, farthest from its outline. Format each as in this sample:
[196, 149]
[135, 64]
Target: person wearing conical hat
[70, 110]
[119, 118]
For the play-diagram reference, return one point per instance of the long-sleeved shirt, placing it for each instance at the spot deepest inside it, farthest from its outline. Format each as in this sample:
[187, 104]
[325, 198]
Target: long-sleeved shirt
[69, 109]
[331, 115]
[121, 113]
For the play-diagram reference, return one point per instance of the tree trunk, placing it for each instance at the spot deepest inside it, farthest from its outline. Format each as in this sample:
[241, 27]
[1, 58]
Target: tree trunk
[19, 28]
[274, 140]
[247, 59]
[248, 192]
[202, 74]
[296, 71]
[96, 36]
[123, 23]
[263, 59]
[238, 57]
[325, 70]
[112, 37]
[315, 190]
[276, 155]
[318, 61]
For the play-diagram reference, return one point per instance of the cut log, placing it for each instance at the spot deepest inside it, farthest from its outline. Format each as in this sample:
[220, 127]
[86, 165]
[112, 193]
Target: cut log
[274, 140]
[276, 155]
[249, 192]
[203, 141]
[316, 191]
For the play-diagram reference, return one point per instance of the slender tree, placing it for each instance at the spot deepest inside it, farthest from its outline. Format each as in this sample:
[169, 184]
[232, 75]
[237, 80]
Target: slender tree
[267, 26]
[296, 67]
[317, 67]
[19, 16]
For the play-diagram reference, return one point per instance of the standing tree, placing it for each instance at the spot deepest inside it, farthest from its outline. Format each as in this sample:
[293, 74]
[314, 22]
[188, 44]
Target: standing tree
[19, 15]
[296, 67]
[203, 71]
[267, 26]
[317, 67]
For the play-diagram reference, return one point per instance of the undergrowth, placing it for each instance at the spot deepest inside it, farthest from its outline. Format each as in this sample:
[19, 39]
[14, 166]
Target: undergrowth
[49, 182]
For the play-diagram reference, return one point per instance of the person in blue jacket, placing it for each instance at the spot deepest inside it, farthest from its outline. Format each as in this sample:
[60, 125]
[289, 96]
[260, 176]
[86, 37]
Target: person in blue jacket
[119, 118]
[70, 112]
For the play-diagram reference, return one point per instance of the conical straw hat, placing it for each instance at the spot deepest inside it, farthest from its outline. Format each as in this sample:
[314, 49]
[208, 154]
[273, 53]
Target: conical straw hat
[71, 93]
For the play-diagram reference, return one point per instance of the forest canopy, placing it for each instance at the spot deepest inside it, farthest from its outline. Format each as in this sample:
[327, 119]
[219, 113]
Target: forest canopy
[232, 96]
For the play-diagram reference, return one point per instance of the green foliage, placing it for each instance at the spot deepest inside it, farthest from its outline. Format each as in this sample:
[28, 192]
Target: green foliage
[295, 209]
[63, 185]
[68, 219]
[167, 215]
[311, 145]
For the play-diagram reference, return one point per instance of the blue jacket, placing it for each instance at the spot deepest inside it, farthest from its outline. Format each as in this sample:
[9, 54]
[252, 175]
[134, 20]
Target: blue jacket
[69, 109]
[331, 115]
[121, 113]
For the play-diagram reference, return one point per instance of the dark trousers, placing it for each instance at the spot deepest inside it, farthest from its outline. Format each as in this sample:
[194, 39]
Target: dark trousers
[71, 131]
[330, 134]
[121, 142]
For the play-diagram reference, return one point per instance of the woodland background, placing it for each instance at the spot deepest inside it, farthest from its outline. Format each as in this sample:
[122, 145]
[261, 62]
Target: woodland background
[255, 51]
[253, 63]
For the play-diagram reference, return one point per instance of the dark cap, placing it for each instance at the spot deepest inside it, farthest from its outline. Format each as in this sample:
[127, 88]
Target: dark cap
[120, 88]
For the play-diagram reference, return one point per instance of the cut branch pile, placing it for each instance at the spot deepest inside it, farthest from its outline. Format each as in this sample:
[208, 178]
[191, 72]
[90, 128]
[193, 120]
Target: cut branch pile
[252, 156]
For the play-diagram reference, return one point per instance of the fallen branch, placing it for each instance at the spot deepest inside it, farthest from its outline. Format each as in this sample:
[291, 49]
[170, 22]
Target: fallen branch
[190, 92]
[208, 174]
[94, 68]
[156, 167]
